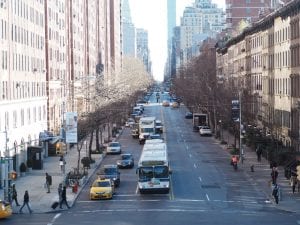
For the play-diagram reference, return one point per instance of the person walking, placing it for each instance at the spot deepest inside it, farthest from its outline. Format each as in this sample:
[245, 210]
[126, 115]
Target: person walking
[274, 175]
[26, 202]
[62, 163]
[59, 190]
[293, 182]
[48, 182]
[275, 193]
[15, 195]
[64, 198]
[258, 153]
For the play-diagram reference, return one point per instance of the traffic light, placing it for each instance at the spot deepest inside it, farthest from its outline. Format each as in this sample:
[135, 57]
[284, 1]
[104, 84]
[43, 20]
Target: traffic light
[298, 172]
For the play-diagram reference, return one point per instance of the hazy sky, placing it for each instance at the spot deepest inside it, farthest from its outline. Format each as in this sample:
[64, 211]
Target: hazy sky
[152, 16]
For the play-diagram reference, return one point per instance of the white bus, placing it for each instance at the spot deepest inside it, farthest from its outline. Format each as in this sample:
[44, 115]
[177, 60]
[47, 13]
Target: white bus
[154, 169]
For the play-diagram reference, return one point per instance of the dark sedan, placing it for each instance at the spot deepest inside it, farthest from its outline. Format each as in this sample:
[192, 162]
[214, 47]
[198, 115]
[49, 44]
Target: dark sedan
[189, 115]
[126, 161]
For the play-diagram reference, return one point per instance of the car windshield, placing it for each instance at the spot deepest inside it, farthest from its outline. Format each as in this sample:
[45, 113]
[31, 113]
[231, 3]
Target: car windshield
[147, 130]
[114, 144]
[110, 170]
[126, 157]
[101, 184]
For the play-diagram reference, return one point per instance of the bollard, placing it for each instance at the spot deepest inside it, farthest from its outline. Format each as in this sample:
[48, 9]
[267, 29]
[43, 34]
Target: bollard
[252, 168]
[75, 188]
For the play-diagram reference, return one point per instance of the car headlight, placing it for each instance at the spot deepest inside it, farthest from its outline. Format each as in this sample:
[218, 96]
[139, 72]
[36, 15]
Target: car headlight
[114, 179]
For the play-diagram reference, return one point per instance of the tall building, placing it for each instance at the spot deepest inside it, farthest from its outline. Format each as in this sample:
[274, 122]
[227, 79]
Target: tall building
[128, 31]
[23, 96]
[171, 23]
[198, 22]
[55, 66]
[142, 48]
[250, 11]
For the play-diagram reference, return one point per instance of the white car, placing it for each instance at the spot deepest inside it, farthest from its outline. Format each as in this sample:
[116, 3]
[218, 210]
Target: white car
[113, 148]
[130, 122]
[205, 131]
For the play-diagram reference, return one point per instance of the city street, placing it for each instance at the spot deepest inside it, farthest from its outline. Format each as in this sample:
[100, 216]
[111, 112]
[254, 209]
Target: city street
[205, 188]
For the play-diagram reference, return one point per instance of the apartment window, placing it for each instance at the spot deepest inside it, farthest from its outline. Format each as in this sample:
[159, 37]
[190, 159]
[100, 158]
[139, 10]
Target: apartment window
[28, 116]
[15, 119]
[22, 117]
[34, 114]
[6, 121]
[40, 113]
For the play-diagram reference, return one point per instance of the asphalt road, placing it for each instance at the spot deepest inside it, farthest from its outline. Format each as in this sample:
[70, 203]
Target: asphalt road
[204, 190]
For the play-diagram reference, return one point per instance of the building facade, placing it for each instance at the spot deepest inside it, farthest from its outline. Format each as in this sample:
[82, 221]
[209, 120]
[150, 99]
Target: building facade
[51, 53]
[128, 31]
[23, 96]
[142, 48]
[248, 10]
[202, 20]
[266, 58]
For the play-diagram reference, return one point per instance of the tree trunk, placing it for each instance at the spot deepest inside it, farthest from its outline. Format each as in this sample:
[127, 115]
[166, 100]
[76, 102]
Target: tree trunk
[79, 150]
[91, 144]
[97, 139]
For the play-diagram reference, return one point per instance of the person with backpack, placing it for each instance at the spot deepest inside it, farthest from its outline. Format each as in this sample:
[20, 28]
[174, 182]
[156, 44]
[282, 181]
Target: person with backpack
[48, 182]
[15, 195]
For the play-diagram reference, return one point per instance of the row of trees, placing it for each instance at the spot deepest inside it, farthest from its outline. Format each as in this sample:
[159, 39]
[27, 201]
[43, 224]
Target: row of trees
[112, 104]
[200, 90]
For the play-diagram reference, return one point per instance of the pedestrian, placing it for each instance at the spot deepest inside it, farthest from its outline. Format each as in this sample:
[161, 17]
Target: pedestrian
[15, 195]
[59, 190]
[274, 175]
[258, 153]
[275, 193]
[26, 202]
[64, 198]
[48, 182]
[62, 163]
[293, 181]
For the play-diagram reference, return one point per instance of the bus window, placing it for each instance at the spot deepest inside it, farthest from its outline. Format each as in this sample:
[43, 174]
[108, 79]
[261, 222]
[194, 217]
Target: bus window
[161, 172]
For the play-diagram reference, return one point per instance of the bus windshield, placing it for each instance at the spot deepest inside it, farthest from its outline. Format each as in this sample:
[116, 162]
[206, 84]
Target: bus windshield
[147, 173]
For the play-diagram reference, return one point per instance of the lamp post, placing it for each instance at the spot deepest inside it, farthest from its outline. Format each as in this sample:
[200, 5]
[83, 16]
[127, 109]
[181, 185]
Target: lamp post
[241, 128]
[6, 182]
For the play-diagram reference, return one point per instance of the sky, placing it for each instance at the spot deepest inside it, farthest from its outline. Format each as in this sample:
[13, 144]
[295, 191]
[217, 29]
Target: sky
[152, 16]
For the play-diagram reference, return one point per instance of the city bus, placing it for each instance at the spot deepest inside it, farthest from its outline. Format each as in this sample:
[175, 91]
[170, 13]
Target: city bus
[154, 169]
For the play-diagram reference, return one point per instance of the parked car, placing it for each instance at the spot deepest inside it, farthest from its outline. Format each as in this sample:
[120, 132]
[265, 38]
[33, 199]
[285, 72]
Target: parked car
[102, 188]
[189, 115]
[205, 131]
[129, 122]
[113, 148]
[126, 161]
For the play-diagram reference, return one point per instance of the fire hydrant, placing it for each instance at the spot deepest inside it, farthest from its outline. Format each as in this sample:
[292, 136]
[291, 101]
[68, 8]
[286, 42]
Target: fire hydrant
[75, 188]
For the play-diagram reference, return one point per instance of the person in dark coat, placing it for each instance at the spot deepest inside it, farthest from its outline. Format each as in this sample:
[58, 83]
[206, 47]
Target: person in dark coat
[26, 202]
[274, 175]
[15, 195]
[275, 193]
[48, 182]
[64, 198]
[258, 153]
[59, 191]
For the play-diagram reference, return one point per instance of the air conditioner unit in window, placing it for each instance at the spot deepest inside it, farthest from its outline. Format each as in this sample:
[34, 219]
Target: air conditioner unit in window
[34, 70]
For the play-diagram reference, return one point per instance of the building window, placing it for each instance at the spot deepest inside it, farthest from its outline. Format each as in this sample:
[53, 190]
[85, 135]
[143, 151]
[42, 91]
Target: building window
[15, 119]
[22, 117]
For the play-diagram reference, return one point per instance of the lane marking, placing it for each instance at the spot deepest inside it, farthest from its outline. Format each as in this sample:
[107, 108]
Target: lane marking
[195, 166]
[207, 197]
[190, 155]
[54, 218]
[200, 179]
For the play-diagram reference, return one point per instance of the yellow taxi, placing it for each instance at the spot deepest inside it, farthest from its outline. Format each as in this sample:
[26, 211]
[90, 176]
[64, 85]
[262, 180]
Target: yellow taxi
[102, 189]
[165, 103]
[175, 105]
[5, 209]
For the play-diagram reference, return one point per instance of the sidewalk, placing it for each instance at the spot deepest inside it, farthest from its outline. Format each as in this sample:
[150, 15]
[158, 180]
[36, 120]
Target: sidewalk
[33, 181]
[262, 175]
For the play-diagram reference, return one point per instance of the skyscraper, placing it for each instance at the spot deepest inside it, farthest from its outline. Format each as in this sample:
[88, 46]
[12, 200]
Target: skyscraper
[171, 23]
[128, 31]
